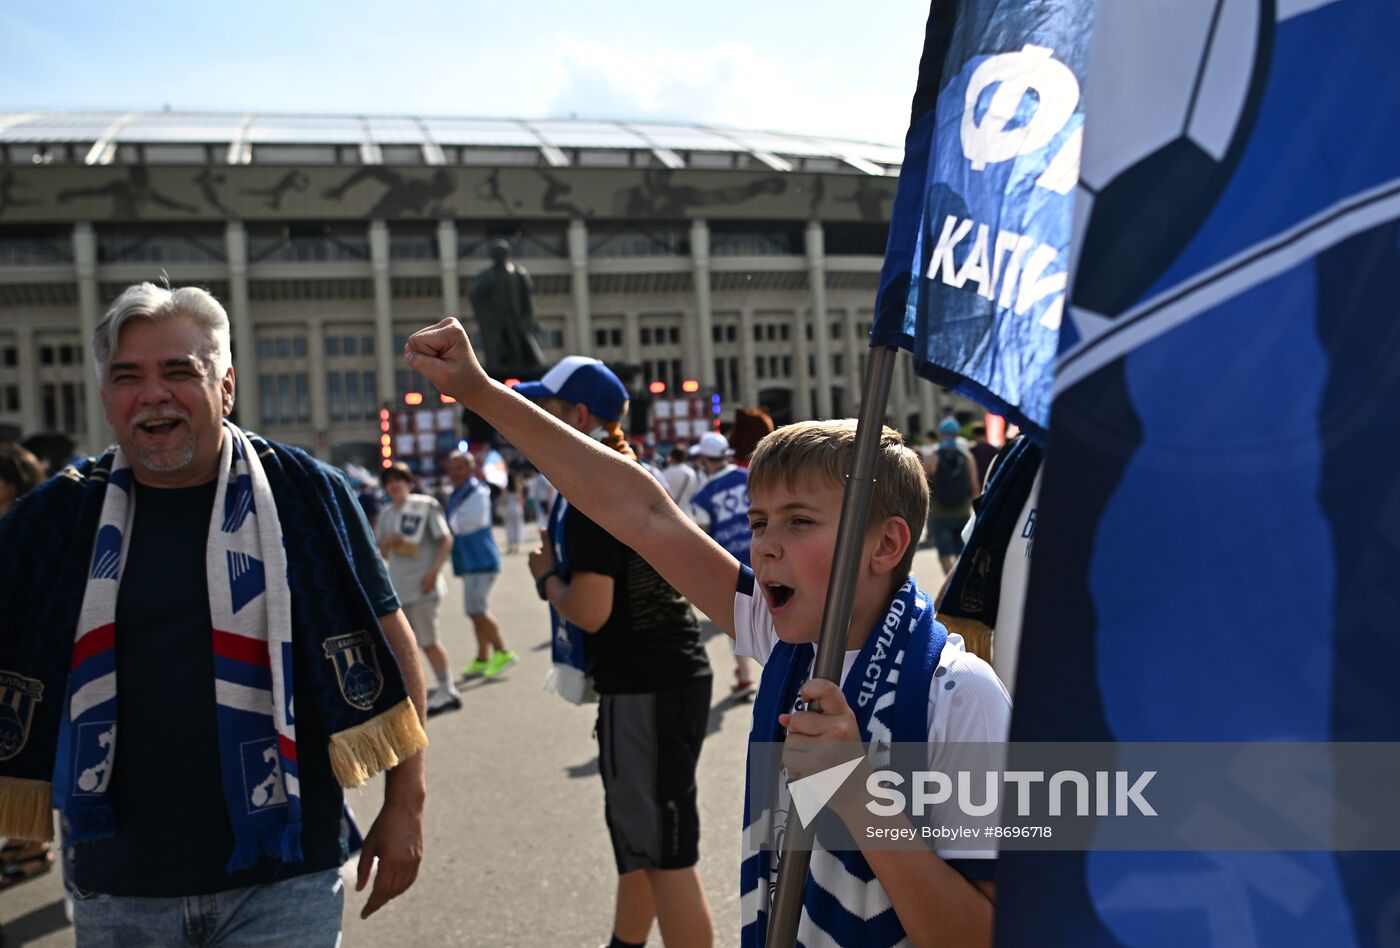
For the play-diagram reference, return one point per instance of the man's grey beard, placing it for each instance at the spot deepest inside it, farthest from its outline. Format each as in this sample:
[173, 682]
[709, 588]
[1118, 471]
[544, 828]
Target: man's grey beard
[167, 464]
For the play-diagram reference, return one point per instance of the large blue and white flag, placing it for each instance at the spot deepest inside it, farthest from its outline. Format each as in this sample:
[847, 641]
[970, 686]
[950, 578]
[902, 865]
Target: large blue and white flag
[975, 275]
[1218, 548]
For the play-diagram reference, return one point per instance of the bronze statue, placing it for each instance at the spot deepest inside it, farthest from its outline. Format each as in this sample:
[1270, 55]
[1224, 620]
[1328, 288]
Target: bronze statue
[505, 313]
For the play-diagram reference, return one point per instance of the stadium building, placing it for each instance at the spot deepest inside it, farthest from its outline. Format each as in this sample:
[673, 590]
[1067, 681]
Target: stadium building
[744, 261]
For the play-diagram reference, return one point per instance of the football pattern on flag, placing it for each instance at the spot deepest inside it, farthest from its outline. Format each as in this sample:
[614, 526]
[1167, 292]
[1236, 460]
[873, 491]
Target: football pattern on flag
[1216, 554]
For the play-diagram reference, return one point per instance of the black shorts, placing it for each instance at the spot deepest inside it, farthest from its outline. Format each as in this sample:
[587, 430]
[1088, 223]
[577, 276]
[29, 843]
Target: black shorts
[648, 746]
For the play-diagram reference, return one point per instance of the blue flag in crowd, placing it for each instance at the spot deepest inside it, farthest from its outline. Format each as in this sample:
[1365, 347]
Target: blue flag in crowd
[976, 271]
[1217, 554]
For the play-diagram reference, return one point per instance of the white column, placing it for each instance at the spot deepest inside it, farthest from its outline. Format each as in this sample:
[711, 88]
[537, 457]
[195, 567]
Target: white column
[316, 368]
[704, 314]
[244, 338]
[748, 377]
[29, 417]
[89, 313]
[821, 328]
[928, 414]
[897, 410]
[632, 337]
[582, 329]
[385, 358]
[801, 379]
[451, 283]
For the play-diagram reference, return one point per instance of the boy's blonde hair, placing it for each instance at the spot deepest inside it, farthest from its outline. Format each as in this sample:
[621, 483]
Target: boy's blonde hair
[823, 450]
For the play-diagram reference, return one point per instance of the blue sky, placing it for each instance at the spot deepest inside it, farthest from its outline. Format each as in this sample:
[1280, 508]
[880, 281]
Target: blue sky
[816, 67]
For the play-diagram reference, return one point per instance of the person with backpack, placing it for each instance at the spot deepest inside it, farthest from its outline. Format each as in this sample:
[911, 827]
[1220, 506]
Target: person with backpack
[952, 478]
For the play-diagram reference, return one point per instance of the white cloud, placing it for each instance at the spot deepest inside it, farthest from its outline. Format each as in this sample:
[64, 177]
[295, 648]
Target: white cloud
[727, 83]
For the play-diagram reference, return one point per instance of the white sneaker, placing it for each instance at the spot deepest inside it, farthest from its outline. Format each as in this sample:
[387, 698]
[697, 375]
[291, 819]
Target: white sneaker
[441, 699]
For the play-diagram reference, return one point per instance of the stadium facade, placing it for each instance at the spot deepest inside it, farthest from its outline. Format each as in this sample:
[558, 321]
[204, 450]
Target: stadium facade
[689, 253]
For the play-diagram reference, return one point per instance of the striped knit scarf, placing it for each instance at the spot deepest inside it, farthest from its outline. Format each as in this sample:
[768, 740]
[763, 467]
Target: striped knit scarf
[251, 607]
[844, 904]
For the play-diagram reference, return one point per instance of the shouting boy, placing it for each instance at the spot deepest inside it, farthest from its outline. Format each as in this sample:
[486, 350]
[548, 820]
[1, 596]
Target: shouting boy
[773, 611]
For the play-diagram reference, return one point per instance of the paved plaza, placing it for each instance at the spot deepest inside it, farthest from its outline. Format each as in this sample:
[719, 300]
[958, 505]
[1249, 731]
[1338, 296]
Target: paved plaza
[516, 851]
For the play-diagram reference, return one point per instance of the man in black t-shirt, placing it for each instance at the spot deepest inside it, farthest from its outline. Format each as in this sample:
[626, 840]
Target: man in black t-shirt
[159, 876]
[652, 676]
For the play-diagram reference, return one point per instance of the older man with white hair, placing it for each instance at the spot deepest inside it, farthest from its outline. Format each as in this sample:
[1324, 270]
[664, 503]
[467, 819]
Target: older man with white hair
[204, 648]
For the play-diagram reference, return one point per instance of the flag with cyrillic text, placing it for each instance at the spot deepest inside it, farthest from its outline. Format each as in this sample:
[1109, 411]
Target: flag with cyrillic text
[977, 264]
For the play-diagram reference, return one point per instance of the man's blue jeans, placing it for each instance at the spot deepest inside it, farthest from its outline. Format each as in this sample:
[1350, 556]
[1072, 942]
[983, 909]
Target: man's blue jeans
[304, 911]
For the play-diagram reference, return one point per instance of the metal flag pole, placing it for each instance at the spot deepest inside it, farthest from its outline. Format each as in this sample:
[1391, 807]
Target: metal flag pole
[786, 912]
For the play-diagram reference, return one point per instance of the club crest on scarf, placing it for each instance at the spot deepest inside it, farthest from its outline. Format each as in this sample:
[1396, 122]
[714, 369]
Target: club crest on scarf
[18, 696]
[356, 668]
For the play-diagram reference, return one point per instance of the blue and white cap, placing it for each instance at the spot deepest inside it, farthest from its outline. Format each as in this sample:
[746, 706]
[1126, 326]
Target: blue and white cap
[580, 380]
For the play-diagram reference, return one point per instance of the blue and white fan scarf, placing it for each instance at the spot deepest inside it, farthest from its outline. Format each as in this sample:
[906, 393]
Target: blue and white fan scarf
[844, 904]
[251, 609]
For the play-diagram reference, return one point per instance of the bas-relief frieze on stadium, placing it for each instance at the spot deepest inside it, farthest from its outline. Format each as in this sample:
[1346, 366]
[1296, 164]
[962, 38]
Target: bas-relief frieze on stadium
[173, 193]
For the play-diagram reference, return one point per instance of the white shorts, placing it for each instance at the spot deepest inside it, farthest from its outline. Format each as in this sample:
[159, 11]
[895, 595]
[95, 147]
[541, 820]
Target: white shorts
[423, 619]
[478, 585]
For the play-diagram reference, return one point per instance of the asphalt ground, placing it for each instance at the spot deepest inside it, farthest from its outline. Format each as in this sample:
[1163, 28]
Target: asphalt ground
[516, 852]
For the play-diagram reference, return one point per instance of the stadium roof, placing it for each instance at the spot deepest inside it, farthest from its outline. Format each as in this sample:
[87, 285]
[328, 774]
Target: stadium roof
[102, 138]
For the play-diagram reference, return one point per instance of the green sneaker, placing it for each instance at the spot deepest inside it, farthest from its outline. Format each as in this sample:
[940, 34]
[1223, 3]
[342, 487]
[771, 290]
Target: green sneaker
[476, 669]
[499, 663]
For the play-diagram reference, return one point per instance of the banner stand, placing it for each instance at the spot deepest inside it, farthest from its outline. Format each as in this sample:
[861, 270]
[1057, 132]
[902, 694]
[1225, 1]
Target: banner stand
[786, 912]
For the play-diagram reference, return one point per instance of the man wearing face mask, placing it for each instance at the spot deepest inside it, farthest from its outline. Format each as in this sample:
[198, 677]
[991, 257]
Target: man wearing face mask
[640, 644]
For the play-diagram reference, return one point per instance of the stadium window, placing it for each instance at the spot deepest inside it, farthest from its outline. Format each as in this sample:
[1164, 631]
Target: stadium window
[808, 330]
[785, 332]
[600, 337]
[646, 336]
[717, 334]
[303, 384]
[267, 389]
[264, 348]
[757, 333]
[285, 411]
[353, 408]
[12, 398]
[367, 383]
[335, 396]
[299, 347]
[367, 345]
[759, 367]
[48, 395]
[9, 357]
[787, 366]
[676, 372]
[835, 330]
[616, 337]
[68, 393]
[838, 364]
[731, 332]
[332, 346]
[46, 355]
[283, 347]
[675, 335]
[772, 332]
[811, 365]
